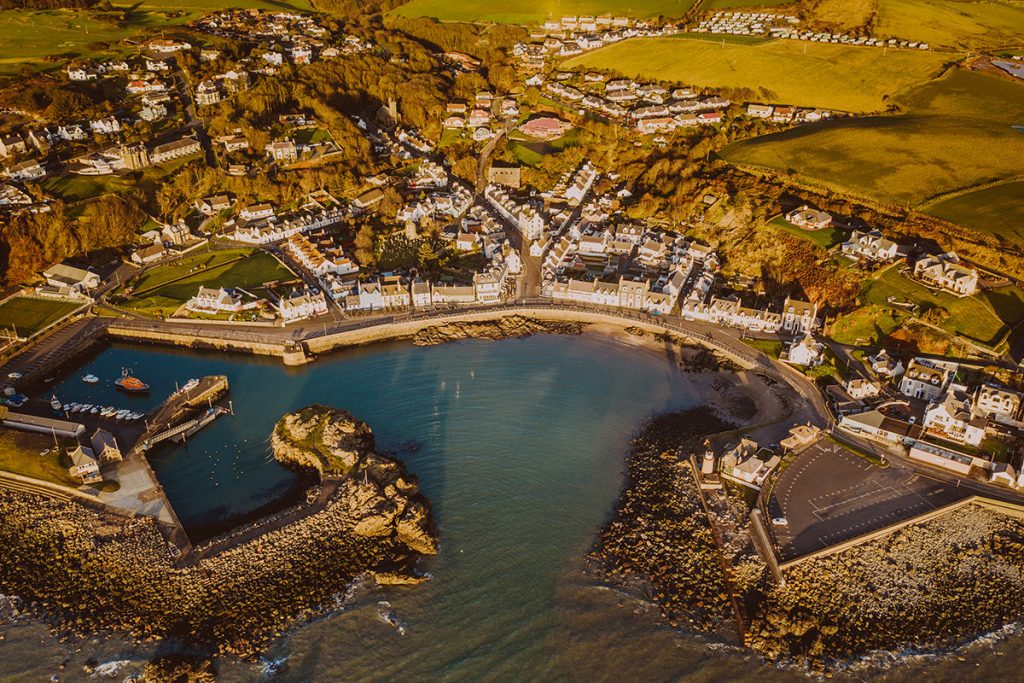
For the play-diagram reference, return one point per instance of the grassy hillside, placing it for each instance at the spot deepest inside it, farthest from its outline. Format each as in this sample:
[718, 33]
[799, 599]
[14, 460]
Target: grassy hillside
[538, 11]
[958, 132]
[843, 77]
[981, 24]
[33, 34]
[998, 210]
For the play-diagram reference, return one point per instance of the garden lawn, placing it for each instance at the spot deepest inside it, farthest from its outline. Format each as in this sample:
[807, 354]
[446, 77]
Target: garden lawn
[28, 315]
[538, 11]
[842, 77]
[826, 238]
[248, 273]
[20, 453]
[982, 318]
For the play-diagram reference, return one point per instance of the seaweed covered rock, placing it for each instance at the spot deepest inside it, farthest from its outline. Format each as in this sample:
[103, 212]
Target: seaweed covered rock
[509, 327]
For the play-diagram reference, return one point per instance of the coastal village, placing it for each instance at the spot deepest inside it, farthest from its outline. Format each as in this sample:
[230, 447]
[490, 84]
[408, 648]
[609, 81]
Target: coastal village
[216, 195]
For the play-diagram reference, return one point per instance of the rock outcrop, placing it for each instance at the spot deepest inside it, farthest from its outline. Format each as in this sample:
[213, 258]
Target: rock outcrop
[381, 498]
[509, 327]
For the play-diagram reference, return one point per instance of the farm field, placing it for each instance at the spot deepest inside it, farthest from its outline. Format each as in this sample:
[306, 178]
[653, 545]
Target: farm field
[34, 34]
[983, 318]
[957, 134]
[952, 24]
[842, 16]
[28, 315]
[843, 77]
[172, 285]
[998, 210]
[537, 11]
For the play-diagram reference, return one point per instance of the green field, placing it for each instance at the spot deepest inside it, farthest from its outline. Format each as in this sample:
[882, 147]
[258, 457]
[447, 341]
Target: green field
[20, 452]
[826, 239]
[75, 188]
[28, 316]
[998, 210]
[163, 290]
[948, 23]
[538, 11]
[842, 77]
[743, 4]
[983, 318]
[957, 133]
[33, 34]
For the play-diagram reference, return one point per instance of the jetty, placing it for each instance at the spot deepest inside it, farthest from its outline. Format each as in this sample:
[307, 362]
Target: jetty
[177, 417]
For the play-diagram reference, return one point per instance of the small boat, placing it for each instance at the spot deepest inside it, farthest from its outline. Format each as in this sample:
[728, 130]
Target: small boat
[67, 407]
[56, 404]
[131, 385]
[122, 414]
[107, 412]
[191, 384]
[95, 409]
[90, 379]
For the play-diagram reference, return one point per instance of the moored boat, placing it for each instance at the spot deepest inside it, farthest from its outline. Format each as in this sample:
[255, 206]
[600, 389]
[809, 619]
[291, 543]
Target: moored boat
[90, 379]
[130, 384]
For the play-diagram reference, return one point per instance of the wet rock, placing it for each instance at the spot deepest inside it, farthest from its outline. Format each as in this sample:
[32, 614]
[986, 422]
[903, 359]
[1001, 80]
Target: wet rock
[509, 327]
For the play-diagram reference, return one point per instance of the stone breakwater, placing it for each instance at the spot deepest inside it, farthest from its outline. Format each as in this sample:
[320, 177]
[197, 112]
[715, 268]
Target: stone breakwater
[928, 586]
[509, 327]
[660, 532]
[88, 570]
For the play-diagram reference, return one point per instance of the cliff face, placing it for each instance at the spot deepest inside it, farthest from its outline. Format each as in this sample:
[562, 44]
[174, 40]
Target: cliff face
[503, 328]
[380, 497]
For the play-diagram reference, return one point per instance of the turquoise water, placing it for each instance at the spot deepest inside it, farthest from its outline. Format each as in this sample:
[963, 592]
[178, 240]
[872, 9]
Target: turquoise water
[520, 446]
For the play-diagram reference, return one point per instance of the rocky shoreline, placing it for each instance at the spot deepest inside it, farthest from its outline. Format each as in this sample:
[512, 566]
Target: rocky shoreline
[508, 327]
[86, 571]
[926, 588]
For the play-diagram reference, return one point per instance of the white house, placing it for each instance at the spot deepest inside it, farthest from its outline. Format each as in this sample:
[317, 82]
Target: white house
[953, 418]
[806, 352]
[208, 300]
[992, 399]
[945, 272]
[870, 246]
[84, 464]
[926, 379]
[808, 218]
[300, 305]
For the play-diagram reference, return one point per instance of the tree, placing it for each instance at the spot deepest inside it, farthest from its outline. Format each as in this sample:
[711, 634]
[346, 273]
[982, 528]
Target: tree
[364, 246]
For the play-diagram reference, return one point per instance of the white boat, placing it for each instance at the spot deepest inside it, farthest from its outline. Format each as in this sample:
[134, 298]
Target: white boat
[90, 379]
[191, 384]
[56, 404]
[95, 409]
[67, 407]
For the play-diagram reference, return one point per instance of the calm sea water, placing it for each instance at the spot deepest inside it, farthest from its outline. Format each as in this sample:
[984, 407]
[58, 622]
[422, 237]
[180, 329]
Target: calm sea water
[519, 444]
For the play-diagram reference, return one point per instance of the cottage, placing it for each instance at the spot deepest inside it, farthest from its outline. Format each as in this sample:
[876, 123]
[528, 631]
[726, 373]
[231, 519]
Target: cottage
[154, 252]
[809, 219]
[84, 464]
[870, 246]
[209, 300]
[300, 305]
[104, 446]
[211, 206]
[256, 212]
[994, 400]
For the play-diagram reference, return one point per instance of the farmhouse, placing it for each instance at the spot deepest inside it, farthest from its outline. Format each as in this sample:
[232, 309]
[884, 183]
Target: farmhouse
[208, 300]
